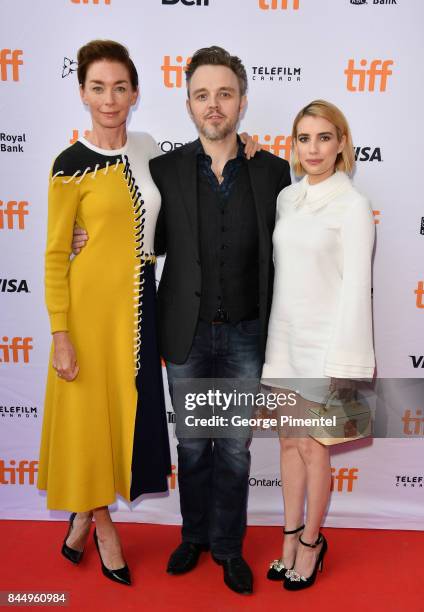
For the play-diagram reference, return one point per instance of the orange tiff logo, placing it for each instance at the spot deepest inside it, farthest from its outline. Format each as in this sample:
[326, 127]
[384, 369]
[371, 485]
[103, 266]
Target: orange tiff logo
[10, 58]
[24, 473]
[361, 79]
[419, 292]
[413, 425]
[277, 145]
[75, 136]
[344, 478]
[12, 214]
[173, 477]
[15, 350]
[173, 72]
[265, 5]
[376, 214]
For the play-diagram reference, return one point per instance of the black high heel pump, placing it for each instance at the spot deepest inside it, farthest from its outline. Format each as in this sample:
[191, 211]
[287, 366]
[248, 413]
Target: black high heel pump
[121, 575]
[69, 553]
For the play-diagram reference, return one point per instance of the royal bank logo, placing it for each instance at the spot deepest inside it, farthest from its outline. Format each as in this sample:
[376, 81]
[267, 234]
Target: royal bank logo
[368, 78]
[19, 412]
[274, 5]
[413, 422]
[18, 473]
[374, 2]
[13, 214]
[173, 70]
[278, 145]
[343, 479]
[358, 1]
[408, 481]
[12, 143]
[69, 66]
[13, 285]
[276, 74]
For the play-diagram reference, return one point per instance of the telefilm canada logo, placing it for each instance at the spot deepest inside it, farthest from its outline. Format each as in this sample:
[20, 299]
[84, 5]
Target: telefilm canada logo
[276, 74]
[408, 481]
[19, 412]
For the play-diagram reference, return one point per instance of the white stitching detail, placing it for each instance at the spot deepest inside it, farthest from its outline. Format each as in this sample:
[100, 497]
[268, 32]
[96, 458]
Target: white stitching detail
[83, 175]
[72, 177]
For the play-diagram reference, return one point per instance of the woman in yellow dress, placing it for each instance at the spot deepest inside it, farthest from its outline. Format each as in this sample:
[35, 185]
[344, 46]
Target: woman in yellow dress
[104, 429]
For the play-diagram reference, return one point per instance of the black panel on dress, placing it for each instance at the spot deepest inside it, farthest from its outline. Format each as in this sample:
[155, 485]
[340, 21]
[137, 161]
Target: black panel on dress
[79, 157]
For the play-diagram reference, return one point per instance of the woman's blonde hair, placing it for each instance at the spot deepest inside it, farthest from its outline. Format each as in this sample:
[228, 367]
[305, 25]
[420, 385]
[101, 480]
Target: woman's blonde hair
[345, 161]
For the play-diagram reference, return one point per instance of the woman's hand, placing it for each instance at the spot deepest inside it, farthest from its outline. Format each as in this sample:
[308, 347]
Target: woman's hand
[344, 386]
[79, 239]
[251, 147]
[64, 357]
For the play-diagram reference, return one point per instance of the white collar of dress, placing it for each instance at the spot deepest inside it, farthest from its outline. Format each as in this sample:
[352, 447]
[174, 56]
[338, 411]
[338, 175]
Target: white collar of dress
[317, 196]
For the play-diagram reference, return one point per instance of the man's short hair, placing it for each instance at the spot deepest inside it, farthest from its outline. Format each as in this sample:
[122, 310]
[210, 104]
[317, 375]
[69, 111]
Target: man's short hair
[217, 56]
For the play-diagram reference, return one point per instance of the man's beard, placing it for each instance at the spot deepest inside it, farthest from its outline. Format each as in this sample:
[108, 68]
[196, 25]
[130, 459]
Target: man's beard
[218, 132]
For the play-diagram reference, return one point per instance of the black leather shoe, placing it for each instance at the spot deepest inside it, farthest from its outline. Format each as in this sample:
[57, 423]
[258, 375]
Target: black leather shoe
[185, 557]
[69, 553]
[121, 575]
[237, 574]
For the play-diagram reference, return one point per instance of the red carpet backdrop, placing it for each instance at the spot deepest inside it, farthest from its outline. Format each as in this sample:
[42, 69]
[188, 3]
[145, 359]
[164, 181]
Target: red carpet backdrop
[363, 55]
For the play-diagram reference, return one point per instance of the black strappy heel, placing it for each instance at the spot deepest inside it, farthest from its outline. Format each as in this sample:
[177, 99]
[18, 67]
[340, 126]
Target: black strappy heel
[296, 582]
[277, 569]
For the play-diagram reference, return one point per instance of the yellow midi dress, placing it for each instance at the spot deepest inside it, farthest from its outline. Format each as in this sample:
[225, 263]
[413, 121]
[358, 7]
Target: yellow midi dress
[104, 433]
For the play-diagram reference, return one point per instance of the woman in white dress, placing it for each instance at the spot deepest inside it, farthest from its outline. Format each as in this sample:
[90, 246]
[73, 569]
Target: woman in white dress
[320, 329]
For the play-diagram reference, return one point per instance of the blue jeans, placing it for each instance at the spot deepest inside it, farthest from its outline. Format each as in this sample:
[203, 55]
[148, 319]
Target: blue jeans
[213, 475]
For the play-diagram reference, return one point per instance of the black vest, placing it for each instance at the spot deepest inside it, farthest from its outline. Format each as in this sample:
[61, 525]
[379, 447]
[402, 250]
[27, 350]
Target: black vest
[228, 236]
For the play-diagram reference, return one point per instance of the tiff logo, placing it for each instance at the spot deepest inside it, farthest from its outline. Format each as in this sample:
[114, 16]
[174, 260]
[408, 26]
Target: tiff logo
[361, 79]
[25, 472]
[280, 144]
[376, 214]
[75, 136]
[15, 348]
[10, 58]
[265, 5]
[173, 73]
[344, 478]
[13, 215]
[413, 425]
[419, 292]
[173, 477]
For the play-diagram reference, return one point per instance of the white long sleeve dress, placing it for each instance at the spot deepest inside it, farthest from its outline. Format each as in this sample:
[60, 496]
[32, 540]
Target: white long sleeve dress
[321, 317]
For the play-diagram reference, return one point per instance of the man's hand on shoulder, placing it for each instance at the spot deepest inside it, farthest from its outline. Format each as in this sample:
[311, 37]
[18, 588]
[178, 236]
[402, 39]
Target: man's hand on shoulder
[79, 239]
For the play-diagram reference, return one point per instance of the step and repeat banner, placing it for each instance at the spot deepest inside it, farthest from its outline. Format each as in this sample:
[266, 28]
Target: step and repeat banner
[363, 55]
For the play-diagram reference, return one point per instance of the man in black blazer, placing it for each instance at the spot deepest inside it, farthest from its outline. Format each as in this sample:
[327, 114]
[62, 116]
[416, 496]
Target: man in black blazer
[214, 297]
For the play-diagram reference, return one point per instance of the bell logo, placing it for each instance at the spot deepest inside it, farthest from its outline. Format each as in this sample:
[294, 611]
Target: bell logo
[23, 474]
[419, 292]
[278, 145]
[173, 73]
[376, 214]
[91, 1]
[12, 214]
[188, 2]
[173, 478]
[15, 348]
[413, 425]
[265, 5]
[358, 79]
[10, 58]
[342, 477]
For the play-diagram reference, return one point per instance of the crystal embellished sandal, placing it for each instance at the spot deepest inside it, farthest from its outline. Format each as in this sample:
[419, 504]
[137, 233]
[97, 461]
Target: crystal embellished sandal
[277, 569]
[296, 582]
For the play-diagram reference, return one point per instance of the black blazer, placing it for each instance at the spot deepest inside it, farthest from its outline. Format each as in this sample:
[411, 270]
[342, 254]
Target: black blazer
[177, 235]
